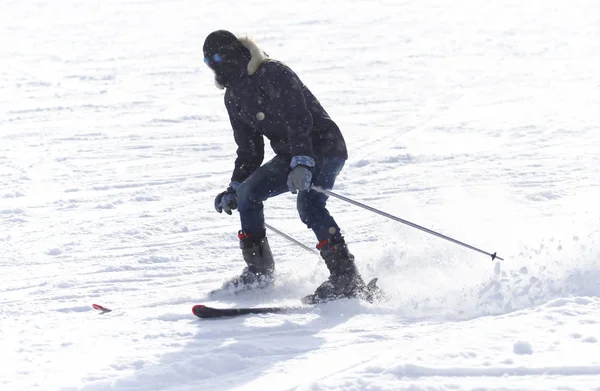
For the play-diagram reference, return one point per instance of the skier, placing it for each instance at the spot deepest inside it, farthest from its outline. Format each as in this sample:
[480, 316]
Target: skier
[266, 98]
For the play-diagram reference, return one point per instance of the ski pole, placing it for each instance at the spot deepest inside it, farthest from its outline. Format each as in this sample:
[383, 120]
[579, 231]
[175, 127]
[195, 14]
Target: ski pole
[288, 237]
[439, 235]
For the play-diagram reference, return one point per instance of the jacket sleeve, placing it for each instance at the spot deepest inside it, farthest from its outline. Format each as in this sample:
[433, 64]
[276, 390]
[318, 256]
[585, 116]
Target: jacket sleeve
[284, 89]
[250, 147]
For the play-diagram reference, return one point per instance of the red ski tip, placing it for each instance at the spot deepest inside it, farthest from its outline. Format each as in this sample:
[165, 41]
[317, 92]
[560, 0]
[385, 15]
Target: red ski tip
[100, 308]
[197, 306]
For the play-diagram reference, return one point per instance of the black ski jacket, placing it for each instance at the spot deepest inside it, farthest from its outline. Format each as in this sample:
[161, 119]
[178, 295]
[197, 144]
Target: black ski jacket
[273, 102]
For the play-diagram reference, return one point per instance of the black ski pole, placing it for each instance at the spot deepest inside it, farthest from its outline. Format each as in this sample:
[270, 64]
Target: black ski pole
[439, 235]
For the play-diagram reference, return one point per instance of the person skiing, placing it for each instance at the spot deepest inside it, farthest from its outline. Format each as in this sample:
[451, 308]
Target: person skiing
[265, 98]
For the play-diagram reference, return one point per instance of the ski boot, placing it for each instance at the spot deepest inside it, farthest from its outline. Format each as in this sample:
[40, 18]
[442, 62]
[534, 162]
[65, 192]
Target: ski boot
[258, 273]
[344, 280]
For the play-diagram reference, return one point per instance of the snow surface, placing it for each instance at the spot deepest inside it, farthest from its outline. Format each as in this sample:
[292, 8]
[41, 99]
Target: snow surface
[476, 119]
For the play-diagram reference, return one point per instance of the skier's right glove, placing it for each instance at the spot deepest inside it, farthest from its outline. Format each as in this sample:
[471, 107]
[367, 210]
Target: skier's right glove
[226, 201]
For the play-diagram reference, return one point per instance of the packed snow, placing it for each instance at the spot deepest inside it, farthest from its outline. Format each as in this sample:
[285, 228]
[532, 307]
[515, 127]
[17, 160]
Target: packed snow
[475, 119]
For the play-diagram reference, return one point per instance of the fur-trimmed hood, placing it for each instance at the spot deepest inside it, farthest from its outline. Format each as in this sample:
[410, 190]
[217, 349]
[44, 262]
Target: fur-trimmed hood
[257, 56]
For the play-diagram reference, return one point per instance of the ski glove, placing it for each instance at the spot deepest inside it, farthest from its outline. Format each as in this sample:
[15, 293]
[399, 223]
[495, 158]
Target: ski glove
[300, 178]
[226, 201]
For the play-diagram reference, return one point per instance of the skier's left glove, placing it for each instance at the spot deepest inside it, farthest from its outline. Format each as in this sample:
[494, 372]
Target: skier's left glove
[226, 201]
[300, 178]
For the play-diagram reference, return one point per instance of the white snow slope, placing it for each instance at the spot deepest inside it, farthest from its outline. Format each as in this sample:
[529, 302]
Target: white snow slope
[475, 119]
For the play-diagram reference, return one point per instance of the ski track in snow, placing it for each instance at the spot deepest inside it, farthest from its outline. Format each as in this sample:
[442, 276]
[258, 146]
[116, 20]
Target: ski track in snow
[479, 121]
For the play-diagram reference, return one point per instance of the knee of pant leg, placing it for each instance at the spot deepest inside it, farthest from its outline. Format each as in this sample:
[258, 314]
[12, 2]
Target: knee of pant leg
[244, 198]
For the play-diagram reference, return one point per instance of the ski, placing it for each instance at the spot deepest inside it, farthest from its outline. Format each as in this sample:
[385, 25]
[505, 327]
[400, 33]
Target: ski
[100, 308]
[372, 294]
[203, 311]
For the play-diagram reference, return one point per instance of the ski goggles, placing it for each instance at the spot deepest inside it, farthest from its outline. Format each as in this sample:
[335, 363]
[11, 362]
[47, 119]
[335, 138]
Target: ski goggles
[215, 59]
